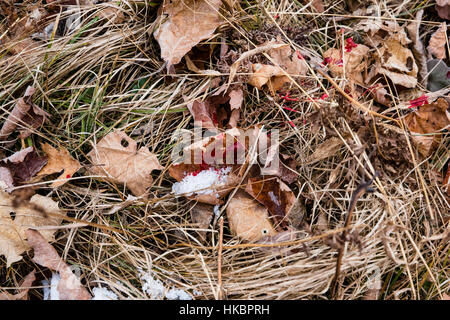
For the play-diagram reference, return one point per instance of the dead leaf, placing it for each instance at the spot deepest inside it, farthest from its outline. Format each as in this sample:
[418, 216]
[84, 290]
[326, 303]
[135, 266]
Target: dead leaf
[437, 46]
[445, 296]
[354, 62]
[326, 149]
[201, 215]
[280, 237]
[23, 291]
[418, 49]
[437, 77]
[446, 183]
[218, 110]
[264, 74]
[426, 122]
[69, 287]
[395, 61]
[20, 167]
[276, 196]
[17, 216]
[26, 115]
[184, 25]
[443, 9]
[117, 159]
[59, 160]
[248, 219]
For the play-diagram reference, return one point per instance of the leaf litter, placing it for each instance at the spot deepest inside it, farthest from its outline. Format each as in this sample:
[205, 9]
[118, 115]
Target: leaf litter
[270, 76]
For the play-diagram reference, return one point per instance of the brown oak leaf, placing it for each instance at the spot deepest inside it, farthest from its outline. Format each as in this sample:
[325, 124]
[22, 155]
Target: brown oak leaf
[23, 291]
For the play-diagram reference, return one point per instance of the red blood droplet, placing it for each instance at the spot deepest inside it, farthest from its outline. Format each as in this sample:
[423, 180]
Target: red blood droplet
[68, 176]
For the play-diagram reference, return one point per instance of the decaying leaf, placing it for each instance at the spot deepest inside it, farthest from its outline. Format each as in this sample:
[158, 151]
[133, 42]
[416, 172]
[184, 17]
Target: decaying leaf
[26, 115]
[248, 219]
[426, 122]
[20, 167]
[326, 149]
[218, 110]
[184, 24]
[280, 237]
[418, 49]
[201, 215]
[23, 292]
[274, 76]
[59, 160]
[446, 183]
[69, 287]
[443, 9]
[117, 159]
[437, 78]
[275, 195]
[17, 216]
[354, 61]
[437, 47]
[395, 61]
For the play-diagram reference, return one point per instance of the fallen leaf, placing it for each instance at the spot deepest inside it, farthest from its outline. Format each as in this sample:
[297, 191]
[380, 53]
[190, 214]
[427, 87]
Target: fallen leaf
[117, 159]
[17, 216]
[443, 9]
[418, 49]
[218, 110]
[437, 77]
[395, 61]
[59, 160]
[354, 62]
[23, 291]
[69, 287]
[201, 215]
[285, 236]
[426, 122]
[437, 46]
[26, 115]
[326, 149]
[272, 76]
[248, 219]
[184, 25]
[20, 167]
[289, 60]
[275, 195]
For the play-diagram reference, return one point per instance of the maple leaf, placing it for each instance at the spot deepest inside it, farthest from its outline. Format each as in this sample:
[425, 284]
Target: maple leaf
[59, 160]
[17, 216]
[118, 160]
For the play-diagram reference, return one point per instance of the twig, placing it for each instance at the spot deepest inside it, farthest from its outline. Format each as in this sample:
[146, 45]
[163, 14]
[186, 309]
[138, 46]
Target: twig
[353, 101]
[362, 189]
[219, 259]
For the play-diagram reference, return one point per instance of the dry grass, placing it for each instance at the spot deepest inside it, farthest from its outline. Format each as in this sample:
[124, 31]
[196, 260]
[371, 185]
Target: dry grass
[98, 80]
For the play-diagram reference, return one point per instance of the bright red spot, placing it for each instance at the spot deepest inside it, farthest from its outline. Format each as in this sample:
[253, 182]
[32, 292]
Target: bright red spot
[349, 44]
[420, 101]
[68, 176]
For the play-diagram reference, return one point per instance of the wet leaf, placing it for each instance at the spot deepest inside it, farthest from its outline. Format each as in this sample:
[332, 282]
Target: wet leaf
[59, 160]
[247, 218]
[16, 216]
[275, 195]
[219, 110]
[426, 122]
[201, 215]
[69, 287]
[20, 167]
[23, 292]
[184, 24]
[438, 75]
